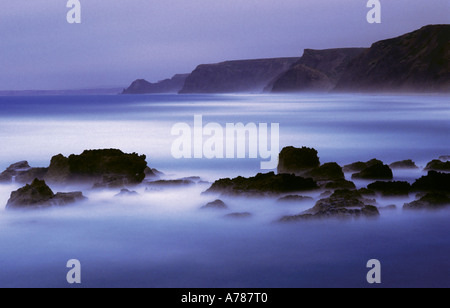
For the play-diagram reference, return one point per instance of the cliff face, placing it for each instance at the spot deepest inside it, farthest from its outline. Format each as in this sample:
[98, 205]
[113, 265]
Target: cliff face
[142, 86]
[415, 62]
[316, 71]
[236, 76]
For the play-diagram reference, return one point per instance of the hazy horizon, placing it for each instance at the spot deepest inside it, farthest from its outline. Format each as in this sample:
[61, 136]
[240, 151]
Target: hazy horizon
[126, 40]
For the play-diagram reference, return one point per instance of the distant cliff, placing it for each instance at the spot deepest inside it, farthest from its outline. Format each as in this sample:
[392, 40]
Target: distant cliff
[415, 62]
[317, 70]
[236, 76]
[142, 86]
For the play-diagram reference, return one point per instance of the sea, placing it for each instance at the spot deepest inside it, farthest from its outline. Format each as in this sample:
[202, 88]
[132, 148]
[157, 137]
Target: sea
[161, 238]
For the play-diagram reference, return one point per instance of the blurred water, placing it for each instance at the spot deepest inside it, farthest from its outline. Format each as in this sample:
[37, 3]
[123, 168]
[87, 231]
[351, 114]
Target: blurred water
[162, 239]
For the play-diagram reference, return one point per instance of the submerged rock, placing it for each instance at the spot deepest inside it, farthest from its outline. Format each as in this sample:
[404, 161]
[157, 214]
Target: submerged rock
[430, 201]
[377, 171]
[217, 204]
[38, 194]
[438, 165]
[391, 189]
[433, 182]
[297, 160]
[170, 183]
[404, 164]
[126, 193]
[263, 184]
[238, 215]
[341, 204]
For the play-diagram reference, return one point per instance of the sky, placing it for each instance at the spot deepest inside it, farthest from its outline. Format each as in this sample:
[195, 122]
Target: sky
[119, 41]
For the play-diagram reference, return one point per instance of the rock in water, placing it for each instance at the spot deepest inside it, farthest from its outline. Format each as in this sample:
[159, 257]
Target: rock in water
[404, 164]
[391, 189]
[217, 204]
[360, 166]
[22, 173]
[430, 201]
[297, 160]
[108, 168]
[341, 204]
[38, 194]
[438, 165]
[377, 171]
[433, 182]
[263, 184]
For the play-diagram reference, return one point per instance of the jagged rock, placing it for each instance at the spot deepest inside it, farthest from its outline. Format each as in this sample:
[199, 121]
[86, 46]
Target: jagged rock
[404, 164]
[297, 160]
[22, 173]
[238, 215]
[141, 86]
[377, 171]
[438, 165]
[390, 189]
[217, 204]
[433, 182]
[341, 204]
[430, 201]
[366, 192]
[340, 184]
[360, 166]
[294, 199]
[106, 168]
[38, 194]
[263, 184]
[327, 172]
[126, 193]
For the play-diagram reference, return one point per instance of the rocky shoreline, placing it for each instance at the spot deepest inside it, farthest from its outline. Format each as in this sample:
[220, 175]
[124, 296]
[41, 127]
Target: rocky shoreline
[299, 172]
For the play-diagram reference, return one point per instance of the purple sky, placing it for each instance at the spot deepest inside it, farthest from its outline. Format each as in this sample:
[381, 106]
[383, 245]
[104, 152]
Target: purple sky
[119, 41]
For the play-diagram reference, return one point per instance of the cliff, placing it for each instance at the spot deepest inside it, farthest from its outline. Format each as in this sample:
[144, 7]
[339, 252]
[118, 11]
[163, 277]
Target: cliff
[142, 86]
[316, 71]
[415, 62]
[236, 76]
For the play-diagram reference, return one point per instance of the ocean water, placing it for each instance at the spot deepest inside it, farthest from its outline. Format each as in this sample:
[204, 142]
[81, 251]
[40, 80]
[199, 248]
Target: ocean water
[161, 238]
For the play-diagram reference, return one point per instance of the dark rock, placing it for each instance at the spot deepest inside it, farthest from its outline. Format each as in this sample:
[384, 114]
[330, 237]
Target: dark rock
[238, 215]
[142, 86]
[366, 192]
[391, 189]
[297, 160]
[236, 76]
[316, 70]
[341, 204]
[126, 193]
[430, 201]
[105, 168]
[433, 182]
[414, 62]
[340, 184]
[326, 194]
[263, 184]
[327, 172]
[294, 199]
[377, 171]
[404, 164]
[218, 204]
[438, 165]
[360, 166]
[22, 173]
[38, 194]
